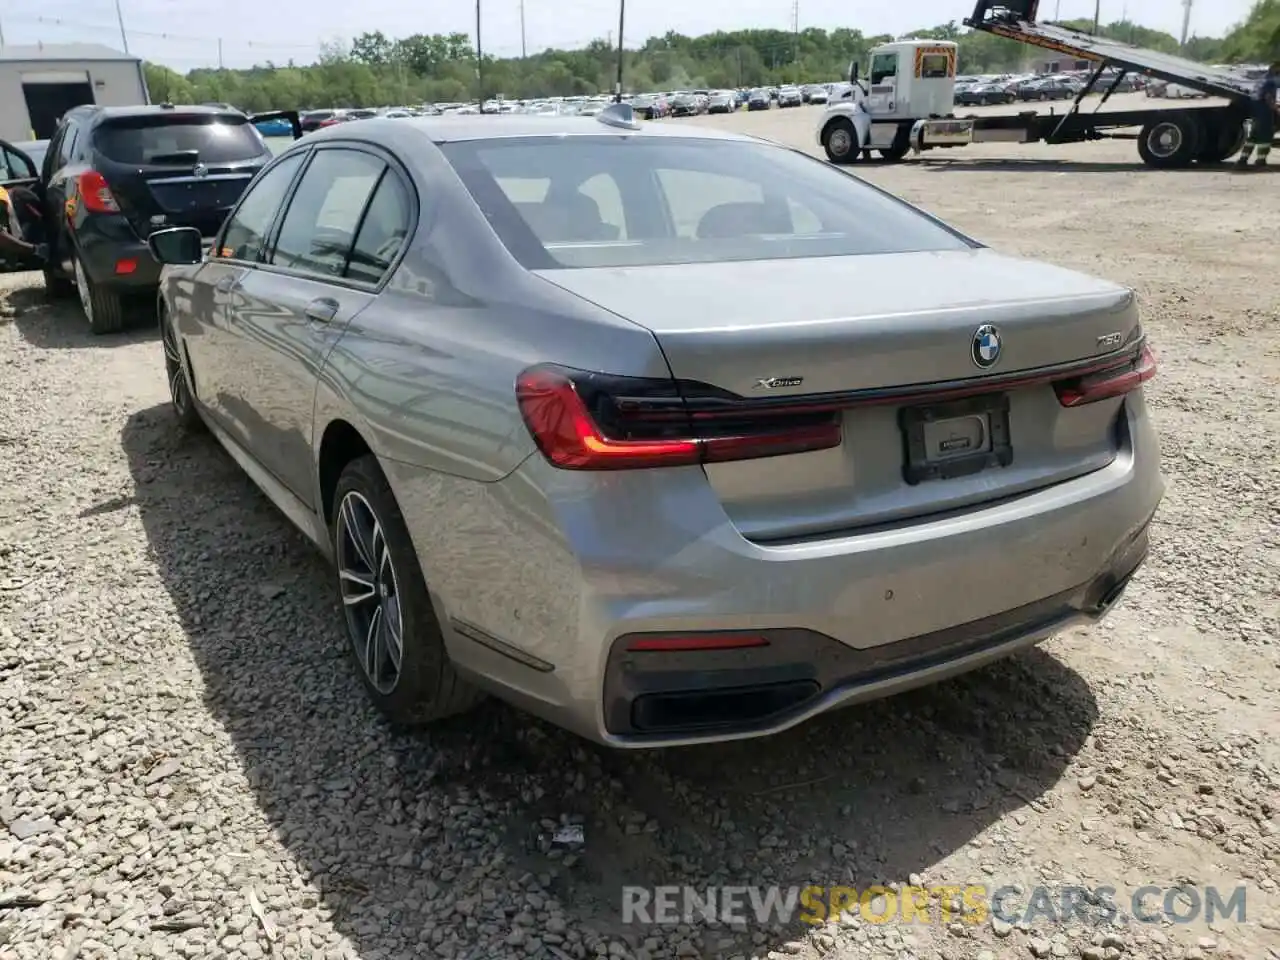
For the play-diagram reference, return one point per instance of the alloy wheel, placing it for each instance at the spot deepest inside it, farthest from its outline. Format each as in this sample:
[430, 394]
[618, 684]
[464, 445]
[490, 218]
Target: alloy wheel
[82, 288]
[370, 592]
[179, 395]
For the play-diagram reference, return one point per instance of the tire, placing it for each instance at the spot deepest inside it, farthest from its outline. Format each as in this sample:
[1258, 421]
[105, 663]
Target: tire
[1222, 139]
[840, 141]
[102, 308]
[180, 396]
[56, 286]
[1170, 142]
[377, 563]
[901, 146]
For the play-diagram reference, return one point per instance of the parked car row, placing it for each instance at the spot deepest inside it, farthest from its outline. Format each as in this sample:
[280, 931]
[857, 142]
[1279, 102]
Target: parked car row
[1004, 89]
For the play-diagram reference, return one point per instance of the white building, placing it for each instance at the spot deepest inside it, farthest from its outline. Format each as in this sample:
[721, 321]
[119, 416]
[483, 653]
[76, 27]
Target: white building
[38, 84]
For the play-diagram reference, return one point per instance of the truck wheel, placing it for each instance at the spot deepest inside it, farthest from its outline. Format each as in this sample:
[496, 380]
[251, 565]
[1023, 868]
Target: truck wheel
[840, 140]
[1170, 142]
[1222, 140]
[900, 147]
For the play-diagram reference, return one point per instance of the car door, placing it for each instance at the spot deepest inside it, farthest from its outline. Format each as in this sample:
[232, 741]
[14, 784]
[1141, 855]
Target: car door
[58, 176]
[340, 231]
[239, 247]
[16, 170]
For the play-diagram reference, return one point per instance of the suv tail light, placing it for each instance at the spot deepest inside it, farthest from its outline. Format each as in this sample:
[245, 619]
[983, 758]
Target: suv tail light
[593, 421]
[1112, 381]
[95, 194]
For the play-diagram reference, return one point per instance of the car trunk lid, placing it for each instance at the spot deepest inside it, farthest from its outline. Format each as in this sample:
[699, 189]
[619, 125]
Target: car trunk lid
[179, 169]
[889, 341]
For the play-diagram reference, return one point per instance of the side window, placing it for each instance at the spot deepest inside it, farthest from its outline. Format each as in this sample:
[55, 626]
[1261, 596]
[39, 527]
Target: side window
[883, 66]
[692, 194]
[603, 191]
[707, 205]
[319, 228]
[67, 145]
[246, 231]
[384, 230]
[14, 165]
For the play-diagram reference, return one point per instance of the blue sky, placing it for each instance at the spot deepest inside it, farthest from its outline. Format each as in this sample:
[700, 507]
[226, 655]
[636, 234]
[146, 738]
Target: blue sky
[183, 34]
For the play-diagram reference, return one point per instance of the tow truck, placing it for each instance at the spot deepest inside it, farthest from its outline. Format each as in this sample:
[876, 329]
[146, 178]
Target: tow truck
[906, 104]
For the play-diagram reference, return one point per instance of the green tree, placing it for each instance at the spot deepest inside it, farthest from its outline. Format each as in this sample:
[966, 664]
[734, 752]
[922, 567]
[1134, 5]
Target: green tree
[377, 70]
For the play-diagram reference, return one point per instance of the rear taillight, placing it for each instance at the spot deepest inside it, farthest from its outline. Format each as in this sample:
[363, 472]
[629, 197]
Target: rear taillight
[592, 421]
[95, 195]
[1112, 381]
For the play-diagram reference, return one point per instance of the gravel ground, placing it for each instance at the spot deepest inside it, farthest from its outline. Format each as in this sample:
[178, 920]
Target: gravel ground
[189, 768]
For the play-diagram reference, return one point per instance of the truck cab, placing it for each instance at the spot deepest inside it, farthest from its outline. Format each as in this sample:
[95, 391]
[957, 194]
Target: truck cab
[911, 79]
[905, 81]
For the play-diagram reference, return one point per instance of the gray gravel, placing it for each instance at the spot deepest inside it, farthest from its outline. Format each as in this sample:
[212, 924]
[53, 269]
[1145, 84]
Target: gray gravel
[189, 769]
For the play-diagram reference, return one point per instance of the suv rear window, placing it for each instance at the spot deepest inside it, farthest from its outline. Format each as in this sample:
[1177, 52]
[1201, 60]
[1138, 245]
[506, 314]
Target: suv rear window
[179, 139]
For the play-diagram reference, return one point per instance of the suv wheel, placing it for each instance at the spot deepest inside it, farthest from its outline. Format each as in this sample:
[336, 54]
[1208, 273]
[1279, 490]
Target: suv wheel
[102, 308]
[392, 628]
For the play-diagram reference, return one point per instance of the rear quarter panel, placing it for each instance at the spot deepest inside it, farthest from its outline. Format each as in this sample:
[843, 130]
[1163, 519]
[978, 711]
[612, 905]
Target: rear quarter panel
[428, 370]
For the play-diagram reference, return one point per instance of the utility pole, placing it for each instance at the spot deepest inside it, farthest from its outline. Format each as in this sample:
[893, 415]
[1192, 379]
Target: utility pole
[622, 21]
[124, 39]
[219, 53]
[795, 32]
[1, 34]
[1097, 14]
[524, 50]
[1186, 20]
[479, 63]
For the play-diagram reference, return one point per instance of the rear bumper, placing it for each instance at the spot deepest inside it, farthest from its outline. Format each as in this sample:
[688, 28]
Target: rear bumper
[553, 572]
[115, 256]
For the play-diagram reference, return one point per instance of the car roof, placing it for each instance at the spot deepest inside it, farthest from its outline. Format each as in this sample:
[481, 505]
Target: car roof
[451, 129]
[156, 110]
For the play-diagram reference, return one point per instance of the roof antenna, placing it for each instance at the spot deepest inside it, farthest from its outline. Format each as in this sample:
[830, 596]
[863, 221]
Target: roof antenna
[620, 115]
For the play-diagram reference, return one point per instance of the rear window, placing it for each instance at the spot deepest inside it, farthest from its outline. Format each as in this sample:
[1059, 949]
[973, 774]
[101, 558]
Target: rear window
[633, 201]
[179, 139]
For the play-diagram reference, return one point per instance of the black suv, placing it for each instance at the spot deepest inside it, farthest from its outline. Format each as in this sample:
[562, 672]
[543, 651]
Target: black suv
[113, 175]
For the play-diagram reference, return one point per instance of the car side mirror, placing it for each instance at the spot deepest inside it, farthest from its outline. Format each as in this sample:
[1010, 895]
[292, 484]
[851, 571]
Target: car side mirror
[177, 246]
[853, 72]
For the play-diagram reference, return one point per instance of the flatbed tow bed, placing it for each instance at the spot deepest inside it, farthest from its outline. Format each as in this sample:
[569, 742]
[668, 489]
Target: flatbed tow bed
[911, 110]
[1168, 138]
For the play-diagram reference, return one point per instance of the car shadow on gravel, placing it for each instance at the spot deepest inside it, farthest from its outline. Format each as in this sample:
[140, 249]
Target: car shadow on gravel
[972, 165]
[434, 843]
[58, 323]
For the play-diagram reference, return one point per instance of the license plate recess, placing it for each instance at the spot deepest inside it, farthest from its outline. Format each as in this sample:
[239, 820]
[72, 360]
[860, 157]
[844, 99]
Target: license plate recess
[959, 438]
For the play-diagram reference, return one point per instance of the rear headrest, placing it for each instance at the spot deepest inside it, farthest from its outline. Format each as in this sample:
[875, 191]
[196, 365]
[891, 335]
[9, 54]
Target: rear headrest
[742, 219]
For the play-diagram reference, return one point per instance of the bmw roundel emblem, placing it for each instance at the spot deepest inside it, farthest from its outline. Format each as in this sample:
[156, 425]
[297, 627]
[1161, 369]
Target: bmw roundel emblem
[985, 349]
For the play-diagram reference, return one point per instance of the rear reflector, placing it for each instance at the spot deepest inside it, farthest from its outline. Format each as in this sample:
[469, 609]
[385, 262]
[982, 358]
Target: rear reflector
[591, 421]
[696, 641]
[125, 267]
[1114, 381]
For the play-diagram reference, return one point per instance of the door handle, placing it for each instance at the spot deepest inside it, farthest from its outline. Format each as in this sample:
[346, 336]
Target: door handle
[322, 310]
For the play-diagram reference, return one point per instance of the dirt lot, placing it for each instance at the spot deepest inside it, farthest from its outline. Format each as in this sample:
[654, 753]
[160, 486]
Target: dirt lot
[189, 769]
